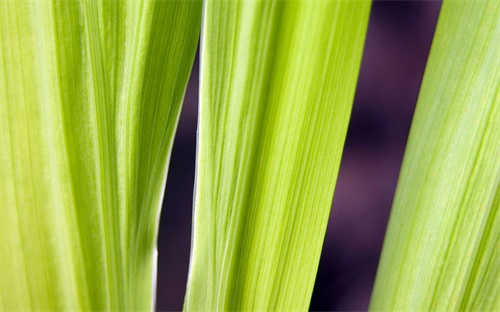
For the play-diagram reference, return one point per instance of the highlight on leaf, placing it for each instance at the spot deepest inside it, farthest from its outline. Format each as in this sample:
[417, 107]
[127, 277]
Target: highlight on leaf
[90, 94]
[441, 248]
[277, 85]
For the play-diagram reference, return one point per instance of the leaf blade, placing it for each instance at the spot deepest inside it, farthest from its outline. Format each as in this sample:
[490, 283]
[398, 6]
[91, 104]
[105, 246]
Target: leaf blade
[90, 88]
[273, 116]
[450, 174]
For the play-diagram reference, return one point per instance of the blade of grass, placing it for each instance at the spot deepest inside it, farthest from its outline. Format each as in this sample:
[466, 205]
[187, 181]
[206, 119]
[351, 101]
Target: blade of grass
[90, 94]
[442, 245]
[277, 85]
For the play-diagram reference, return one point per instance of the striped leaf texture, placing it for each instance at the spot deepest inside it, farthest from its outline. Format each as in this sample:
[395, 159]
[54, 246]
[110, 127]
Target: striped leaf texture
[90, 94]
[277, 85]
[442, 247]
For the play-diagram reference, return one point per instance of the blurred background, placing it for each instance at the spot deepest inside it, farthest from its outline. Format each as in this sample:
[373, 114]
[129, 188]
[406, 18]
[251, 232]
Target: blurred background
[397, 45]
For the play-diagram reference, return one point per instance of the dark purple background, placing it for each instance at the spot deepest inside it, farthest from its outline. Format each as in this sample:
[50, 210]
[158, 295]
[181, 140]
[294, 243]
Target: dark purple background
[398, 42]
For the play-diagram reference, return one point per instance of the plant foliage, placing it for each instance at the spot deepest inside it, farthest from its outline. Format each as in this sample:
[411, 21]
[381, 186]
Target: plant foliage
[90, 94]
[277, 85]
[441, 250]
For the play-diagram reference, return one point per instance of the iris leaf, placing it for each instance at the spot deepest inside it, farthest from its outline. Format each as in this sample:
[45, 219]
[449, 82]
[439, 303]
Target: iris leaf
[277, 85]
[90, 94]
[441, 250]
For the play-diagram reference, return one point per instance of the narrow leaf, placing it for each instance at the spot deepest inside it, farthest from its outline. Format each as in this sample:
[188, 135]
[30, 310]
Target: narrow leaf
[442, 250]
[277, 85]
[90, 93]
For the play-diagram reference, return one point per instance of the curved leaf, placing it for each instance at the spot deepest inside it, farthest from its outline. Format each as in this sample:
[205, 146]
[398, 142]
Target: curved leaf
[90, 94]
[441, 250]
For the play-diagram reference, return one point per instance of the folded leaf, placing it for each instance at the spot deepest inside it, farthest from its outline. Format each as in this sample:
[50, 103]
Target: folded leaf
[277, 85]
[442, 250]
[90, 94]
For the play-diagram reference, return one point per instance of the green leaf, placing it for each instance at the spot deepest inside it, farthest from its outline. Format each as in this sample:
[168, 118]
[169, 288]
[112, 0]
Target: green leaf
[90, 94]
[442, 247]
[277, 85]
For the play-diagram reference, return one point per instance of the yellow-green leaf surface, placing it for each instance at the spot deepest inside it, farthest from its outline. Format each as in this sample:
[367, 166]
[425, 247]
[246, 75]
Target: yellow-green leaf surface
[90, 93]
[277, 85]
[442, 248]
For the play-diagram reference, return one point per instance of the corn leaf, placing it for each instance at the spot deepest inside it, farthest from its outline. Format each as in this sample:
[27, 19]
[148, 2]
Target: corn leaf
[442, 247]
[90, 93]
[277, 85]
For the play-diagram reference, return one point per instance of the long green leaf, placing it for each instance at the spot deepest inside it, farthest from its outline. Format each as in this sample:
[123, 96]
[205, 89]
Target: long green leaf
[277, 85]
[90, 93]
[442, 247]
